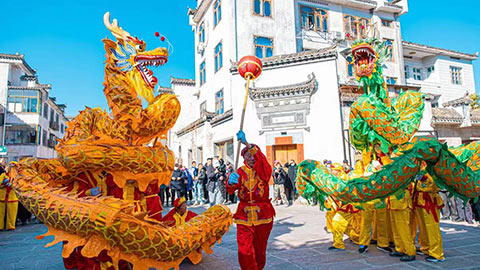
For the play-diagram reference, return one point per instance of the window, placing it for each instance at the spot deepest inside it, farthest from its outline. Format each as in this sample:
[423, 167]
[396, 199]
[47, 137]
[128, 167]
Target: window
[45, 111]
[387, 23]
[62, 128]
[430, 70]
[202, 73]
[262, 8]
[314, 18]
[200, 155]
[263, 47]
[417, 74]
[201, 33]
[350, 67]
[456, 73]
[407, 72]
[218, 57]
[389, 45]
[52, 141]
[52, 114]
[355, 27]
[44, 137]
[217, 12]
[391, 80]
[23, 100]
[20, 134]
[39, 137]
[224, 150]
[219, 102]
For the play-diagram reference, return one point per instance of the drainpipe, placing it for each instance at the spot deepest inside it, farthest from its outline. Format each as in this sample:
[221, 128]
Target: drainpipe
[341, 112]
[236, 38]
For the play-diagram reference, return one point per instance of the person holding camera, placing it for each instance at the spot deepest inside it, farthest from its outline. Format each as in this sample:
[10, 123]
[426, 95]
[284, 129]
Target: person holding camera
[280, 179]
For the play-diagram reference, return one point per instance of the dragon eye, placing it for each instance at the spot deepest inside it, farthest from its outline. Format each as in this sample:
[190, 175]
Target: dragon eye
[140, 47]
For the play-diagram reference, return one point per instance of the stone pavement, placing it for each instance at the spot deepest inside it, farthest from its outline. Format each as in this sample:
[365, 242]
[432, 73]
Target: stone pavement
[298, 241]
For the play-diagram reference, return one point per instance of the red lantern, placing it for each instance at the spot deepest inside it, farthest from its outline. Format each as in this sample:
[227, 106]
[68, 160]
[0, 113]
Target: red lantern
[250, 67]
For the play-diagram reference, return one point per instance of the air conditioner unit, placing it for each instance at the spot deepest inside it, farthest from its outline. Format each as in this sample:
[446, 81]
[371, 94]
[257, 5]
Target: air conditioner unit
[337, 35]
[201, 47]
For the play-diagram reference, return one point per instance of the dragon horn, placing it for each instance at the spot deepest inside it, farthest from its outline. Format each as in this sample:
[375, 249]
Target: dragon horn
[117, 31]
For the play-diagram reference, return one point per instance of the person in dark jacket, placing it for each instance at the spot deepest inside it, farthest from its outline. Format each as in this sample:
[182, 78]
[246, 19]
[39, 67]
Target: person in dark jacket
[222, 176]
[202, 178]
[231, 198]
[290, 187]
[279, 179]
[177, 183]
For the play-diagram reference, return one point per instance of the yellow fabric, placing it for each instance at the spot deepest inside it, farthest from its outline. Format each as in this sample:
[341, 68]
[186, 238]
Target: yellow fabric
[129, 192]
[431, 188]
[353, 228]
[12, 197]
[366, 225]
[329, 216]
[340, 223]
[180, 219]
[382, 227]
[430, 238]
[400, 204]
[400, 221]
[10, 209]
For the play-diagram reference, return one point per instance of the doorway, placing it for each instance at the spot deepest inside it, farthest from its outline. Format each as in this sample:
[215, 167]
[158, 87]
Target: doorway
[284, 153]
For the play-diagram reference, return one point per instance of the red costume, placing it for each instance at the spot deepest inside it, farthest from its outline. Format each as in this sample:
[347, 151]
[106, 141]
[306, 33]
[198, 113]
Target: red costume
[254, 216]
[144, 201]
[175, 219]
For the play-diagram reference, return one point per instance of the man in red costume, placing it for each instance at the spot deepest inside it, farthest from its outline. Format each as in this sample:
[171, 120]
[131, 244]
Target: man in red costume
[254, 216]
[179, 214]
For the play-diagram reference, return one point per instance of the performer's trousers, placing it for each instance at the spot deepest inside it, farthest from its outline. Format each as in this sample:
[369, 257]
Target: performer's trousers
[382, 226]
[429, 237]
[340, 223]
[329, 217]
[366, 225]
[400, 222]
[252, 245]
[10, 209]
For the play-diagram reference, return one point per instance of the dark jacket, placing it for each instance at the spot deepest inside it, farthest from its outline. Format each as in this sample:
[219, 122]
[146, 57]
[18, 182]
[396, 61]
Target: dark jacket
[178, 184]
[292, 174]
[279, 177]
[211, 178]
[202, 176]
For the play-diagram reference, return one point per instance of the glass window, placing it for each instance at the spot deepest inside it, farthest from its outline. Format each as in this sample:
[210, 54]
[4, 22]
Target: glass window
[417, 74]
[62, 128]
[20, 134]
[44, 137]
[23, 100]
[201, 33]
[391, 80]
[350, 67]
[45, 111]
[218, 57]
[430, 70]
[202, 73]
[217, 12]
[387, 23]
[407, 71]
[355, 27]
[456, 73]
[389, 45]
[219, 102]
[314, 18]
[262, 8]
[263, 47]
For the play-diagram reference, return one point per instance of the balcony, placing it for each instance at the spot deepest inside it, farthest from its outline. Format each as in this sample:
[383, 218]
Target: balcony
[54, 125]
[52, 142]
[358, 4]
[390, 7]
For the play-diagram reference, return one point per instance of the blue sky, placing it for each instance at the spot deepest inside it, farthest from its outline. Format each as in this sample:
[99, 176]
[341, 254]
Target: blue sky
[62, 39]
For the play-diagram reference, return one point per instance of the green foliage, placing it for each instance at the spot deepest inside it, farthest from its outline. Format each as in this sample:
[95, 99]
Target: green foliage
[476, 101]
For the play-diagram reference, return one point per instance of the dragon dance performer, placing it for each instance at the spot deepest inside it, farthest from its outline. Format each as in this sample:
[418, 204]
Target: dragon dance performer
[427, 204]
[179, 214]
[254, 216]
[8, 201]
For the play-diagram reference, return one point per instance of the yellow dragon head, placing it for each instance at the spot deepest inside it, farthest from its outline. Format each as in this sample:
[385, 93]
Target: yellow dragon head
[128, 56]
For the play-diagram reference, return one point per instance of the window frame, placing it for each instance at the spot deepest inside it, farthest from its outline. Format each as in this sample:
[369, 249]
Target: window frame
[203, 72]
[417, 73]
[358, 26]
[221, 100]
[24, 101]
[264, 47]
[316, 14]
[22, 129]
[217, 13]
[389, 23]
[348, 65]
[262, 8]
[392, 48]
[201, 33]
[387, 80]
[458, 71]
[406, 69]
[219, 55]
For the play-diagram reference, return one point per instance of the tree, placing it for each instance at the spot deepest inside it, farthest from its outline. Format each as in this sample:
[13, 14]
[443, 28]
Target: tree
[476, 101]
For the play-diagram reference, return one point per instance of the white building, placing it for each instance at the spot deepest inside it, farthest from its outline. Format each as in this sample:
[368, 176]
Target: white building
[34, 121]
[298, 108]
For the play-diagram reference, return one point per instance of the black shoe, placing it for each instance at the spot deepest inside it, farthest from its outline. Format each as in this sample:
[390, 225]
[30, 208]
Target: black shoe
[397, 254]
[444, 218]
[334, 248]
[373, 242]
[419, 252]
[433, 259]
[407, 258]
[385, 249]
[391, 244]
[363, 249]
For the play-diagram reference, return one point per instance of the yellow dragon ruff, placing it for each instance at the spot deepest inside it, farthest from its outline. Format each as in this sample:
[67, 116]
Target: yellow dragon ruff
[129, 146]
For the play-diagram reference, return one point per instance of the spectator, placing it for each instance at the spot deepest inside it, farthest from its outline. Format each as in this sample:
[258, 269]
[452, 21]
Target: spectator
[214, 181]
[222, 168]
[179, 214]
[164, 194]
[203, 180]
[188, 185]
[464, 212]
[177, 183]
[346, 166]
[449, 210]
[232, 198]
[197, 184]
[209, 172]
[291, 189]
[279, 180]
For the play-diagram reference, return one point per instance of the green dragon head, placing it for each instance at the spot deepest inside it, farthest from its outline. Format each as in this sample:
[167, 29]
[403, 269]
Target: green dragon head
[129, 59]
[367, 57]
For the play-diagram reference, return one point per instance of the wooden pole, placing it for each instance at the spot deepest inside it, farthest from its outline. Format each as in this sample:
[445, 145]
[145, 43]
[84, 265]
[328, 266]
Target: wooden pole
[239, 145]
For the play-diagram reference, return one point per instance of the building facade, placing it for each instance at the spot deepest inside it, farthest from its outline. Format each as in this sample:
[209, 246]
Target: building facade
[299, 107]
[33, 121]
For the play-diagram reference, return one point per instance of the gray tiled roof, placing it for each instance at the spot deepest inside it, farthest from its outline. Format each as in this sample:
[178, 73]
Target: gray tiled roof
[446, 116]
[17, 57]
[459, 101]
[302, 88]
[189, 82]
